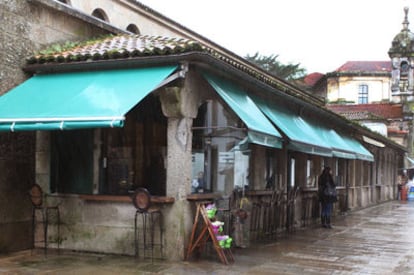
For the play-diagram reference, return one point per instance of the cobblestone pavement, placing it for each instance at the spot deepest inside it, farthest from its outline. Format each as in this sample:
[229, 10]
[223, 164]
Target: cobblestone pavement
[375, 240]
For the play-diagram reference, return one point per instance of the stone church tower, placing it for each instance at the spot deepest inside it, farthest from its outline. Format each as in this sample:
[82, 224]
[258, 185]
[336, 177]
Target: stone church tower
[402, 79]
[402, 57]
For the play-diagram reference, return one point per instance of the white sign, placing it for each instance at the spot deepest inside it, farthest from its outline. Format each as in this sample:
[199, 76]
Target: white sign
[226, 157]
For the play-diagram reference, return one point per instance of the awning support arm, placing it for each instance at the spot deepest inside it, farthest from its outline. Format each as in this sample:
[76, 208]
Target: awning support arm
[178, 74]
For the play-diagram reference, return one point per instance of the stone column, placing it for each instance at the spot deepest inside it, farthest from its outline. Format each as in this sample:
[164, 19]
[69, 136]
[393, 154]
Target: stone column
[180, 106]
[42, 153]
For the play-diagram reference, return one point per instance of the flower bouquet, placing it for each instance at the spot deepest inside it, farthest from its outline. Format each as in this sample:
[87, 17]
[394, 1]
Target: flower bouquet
[211, 210]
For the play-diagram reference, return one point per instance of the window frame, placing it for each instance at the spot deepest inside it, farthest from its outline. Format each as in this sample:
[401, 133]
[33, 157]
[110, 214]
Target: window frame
[219, 134]
[137, 152]
[363, 91]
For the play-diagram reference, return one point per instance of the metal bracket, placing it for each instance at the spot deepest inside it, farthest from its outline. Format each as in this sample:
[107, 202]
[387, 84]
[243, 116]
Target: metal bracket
[181, 73]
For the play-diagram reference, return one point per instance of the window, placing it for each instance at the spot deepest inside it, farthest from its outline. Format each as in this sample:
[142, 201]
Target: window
[336, 167]
[271, 176]
[220, 152]
[113, 161]
[405, 68]
[133, 28]
[404, 73]
[100, 14]
[363, 94]
[67, 2]
[292, 172]
[341, 172]
[72, 162]
[310, 179]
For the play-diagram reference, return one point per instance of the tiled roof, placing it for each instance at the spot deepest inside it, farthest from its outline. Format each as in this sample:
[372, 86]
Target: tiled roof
[397, 132]
[364, 115]
[312, 79]
[133, 47]
[365, 66]
[362, 111]
[114, 47]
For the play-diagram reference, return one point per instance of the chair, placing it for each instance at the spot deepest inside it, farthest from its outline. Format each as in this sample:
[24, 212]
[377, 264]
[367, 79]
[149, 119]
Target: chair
[46, 213]
[149, 217]
[290, 208]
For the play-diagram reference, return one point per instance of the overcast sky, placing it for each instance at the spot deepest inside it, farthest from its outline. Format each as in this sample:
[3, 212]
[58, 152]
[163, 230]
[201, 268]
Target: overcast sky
[321, 35]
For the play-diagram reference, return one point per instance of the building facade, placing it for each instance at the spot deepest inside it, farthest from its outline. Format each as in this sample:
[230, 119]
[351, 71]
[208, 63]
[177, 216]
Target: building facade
[360, 82]
[164, 109]
[361, 92]
[376, 94]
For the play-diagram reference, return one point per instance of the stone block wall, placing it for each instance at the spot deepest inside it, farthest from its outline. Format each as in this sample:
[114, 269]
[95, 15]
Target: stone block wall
[26, 28]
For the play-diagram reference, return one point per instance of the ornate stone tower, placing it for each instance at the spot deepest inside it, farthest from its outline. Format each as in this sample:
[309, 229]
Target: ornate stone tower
[402, 78]
[402, 57]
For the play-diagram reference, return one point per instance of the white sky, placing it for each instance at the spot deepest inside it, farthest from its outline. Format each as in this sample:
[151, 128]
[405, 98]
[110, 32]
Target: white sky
[321, 35]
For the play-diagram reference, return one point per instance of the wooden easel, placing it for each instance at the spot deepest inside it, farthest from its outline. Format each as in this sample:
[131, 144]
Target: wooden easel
[205, 233]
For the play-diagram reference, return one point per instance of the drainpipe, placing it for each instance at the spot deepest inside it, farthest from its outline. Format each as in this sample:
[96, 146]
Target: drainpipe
[347, 185]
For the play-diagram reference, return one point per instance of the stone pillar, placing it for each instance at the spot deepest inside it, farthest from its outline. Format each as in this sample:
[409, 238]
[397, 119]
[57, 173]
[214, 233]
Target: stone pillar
[284, 167]
[395, 76]
[180, 106]
[258, 163]
[42, 153]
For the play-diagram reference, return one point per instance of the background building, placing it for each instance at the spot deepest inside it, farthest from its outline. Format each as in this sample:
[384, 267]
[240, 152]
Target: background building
[376, 94]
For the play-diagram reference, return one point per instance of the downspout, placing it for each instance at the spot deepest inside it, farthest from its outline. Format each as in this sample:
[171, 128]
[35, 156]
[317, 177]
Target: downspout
[374, 189]
[347, 185]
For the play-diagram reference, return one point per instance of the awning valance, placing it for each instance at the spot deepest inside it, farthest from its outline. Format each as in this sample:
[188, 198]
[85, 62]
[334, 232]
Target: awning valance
[338, 145]
[373, 142]
[302, 136]
[408, 163]
[309, 138]
[360, 151]
[346, 147]
[260, 130]
[77, 100]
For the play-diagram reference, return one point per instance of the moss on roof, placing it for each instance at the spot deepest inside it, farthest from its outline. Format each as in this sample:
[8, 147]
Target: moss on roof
[113, 47]
[135, 46]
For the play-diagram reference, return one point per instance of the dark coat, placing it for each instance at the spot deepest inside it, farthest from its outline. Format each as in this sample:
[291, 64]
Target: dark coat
[324, 181]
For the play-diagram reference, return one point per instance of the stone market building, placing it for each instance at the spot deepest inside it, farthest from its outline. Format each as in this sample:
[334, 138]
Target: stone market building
[159, 106]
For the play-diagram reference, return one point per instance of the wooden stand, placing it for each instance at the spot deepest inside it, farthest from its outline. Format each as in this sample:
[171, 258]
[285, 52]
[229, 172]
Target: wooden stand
[204, 234]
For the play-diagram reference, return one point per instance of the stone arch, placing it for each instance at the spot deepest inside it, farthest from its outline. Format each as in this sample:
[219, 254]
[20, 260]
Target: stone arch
[133, 28]
[67, 2]
[100, 14]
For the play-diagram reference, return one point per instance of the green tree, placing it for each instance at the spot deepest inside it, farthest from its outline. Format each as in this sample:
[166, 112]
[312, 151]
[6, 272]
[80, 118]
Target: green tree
[289, 72]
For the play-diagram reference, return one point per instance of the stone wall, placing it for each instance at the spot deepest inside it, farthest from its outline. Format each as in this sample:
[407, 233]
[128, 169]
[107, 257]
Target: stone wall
[16, 174]
[26, 27]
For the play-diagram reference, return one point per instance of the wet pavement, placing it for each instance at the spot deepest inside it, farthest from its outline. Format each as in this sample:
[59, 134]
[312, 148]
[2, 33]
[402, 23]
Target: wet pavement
[375, 240]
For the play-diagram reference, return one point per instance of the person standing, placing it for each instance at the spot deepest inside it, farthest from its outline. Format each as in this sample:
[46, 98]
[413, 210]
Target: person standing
[410, 187]
[327, 196]
[402, 181]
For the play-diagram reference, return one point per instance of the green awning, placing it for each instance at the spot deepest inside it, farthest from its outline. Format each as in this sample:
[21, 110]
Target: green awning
[343, 154]
[360, 151]
[78, 99]
[302, 136]
[309, 138]
[260, 130]
[339, 147]
[344, 146]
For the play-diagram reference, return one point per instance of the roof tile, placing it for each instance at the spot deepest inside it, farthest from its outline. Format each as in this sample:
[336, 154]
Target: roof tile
[365, 66]
[121, 46]
[136, 46]
[312, 79]
[380, 110]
